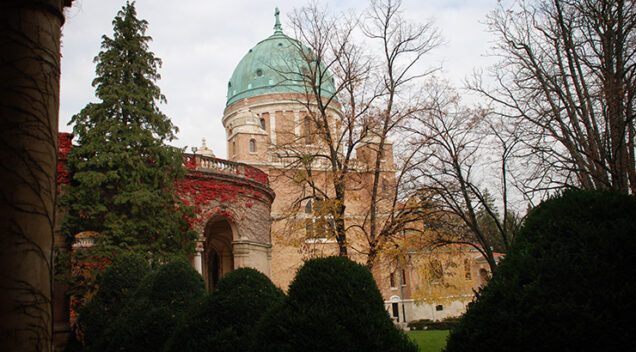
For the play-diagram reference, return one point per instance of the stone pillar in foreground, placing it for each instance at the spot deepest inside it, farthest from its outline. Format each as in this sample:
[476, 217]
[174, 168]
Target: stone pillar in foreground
[29, 105]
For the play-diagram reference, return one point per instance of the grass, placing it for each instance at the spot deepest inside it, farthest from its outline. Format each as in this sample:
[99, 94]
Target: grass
[429, 340]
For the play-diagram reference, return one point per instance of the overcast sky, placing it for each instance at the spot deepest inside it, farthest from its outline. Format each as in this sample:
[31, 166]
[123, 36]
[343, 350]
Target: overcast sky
[202, 41]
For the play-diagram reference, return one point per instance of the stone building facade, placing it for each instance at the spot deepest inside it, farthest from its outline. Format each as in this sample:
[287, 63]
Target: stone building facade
[232, 203]
[265, 119]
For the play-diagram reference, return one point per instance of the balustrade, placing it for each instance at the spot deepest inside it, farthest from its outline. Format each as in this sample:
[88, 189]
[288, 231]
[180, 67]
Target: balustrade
[202, 163]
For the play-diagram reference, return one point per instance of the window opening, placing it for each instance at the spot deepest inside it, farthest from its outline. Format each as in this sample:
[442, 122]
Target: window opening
[252, 146]
[483, 273]
[396, 311]
[307, 128]
[467, 273]
[308, 207]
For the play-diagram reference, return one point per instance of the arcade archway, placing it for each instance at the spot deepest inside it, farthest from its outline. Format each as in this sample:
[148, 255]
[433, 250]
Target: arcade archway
[218, 258]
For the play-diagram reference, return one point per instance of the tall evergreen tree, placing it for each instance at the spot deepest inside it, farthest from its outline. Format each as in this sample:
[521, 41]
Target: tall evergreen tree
[123, 171]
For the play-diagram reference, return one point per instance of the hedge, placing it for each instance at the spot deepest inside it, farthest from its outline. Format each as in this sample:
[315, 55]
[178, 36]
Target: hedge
[158, 306]
[224, 320]
[119, 283]
[333, 304]
[567, 282]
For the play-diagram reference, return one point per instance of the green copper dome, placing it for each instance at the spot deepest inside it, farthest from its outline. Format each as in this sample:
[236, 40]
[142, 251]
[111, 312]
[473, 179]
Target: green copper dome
[272, 66]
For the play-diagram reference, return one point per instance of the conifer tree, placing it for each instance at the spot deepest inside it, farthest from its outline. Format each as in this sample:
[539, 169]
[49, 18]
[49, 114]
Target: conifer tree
[123, 171]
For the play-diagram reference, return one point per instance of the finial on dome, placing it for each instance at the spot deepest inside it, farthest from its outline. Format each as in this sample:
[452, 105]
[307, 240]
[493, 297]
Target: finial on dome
[277, 26]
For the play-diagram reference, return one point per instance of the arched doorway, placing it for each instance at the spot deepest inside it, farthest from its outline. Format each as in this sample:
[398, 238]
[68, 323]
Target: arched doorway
[218, 259]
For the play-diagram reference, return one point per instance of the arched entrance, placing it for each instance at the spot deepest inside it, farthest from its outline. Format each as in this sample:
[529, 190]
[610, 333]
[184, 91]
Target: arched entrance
[218, 259]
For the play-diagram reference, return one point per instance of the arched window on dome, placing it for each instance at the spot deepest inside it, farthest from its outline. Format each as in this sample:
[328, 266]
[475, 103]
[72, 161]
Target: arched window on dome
[262, 121]
[252, 146]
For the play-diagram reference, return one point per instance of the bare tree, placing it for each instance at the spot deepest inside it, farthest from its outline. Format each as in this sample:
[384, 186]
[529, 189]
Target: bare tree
[322, 156]
[456, 143]
[350, 127]
[567, 77]
[403, 44]
[29, 99]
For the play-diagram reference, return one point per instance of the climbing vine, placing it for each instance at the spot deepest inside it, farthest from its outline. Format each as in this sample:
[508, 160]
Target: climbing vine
[63, 176]
[199, 190]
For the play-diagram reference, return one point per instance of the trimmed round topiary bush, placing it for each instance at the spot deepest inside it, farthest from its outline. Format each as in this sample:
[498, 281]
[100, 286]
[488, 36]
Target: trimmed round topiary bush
[333, 304]
[120, 281]
[225, 319]
[157, 307]
[567, 282]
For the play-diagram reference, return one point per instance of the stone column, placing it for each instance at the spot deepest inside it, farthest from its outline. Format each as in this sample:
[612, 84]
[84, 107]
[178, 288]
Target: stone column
[198, 258]
[241, 253]
[253, 255]
[272, 126]
[29, 105]
[297, 124]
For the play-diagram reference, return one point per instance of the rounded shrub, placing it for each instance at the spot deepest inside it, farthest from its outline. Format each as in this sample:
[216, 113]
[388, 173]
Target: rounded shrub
[120, 281]
[567, 282]
[157, 307]
[333, 304]
[225, 319]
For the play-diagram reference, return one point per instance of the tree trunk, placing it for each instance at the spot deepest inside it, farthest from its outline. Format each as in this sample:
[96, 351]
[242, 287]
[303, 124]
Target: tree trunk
[29, 104]
[341, 233]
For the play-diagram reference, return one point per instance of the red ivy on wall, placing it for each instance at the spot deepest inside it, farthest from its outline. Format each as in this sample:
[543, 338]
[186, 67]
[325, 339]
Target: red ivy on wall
[190, 163]
[256, 175]
[63, 176]
[198, 190]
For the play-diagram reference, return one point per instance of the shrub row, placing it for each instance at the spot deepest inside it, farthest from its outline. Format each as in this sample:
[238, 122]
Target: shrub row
[333, 305]
[427, 324]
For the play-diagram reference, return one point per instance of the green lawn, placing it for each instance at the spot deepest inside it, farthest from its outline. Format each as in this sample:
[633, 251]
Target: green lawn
[429, 340]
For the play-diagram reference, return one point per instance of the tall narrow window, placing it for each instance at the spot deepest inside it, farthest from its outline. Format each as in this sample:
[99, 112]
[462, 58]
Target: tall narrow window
[392, 279]
[309, 230]
[384, 186]
[233, 147]
[483, 274]
[403, 277]
[307, 130]
[252, 146]
[467, 273]
[437, 271]
[263, 123]
[308, 207]
[396, 311]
